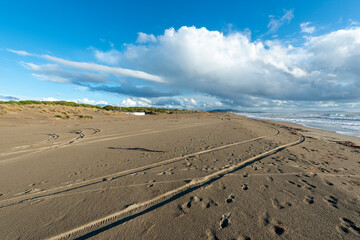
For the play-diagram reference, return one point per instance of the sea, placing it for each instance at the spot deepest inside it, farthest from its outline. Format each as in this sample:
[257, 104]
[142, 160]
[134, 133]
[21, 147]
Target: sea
[341, 122]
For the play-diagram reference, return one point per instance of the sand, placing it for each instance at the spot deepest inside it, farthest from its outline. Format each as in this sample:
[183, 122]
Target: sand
[173, 176]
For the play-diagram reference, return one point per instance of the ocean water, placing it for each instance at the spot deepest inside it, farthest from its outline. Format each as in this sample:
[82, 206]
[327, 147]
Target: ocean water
[340, 122]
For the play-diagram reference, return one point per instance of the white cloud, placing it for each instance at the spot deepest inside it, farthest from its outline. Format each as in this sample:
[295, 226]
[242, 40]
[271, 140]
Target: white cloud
[190, 101]
[92, 102]
[51, 78]
[145, 38]
[136, 102]
[230, 68]
[275, 23]
[8, 98]
[234, 69]
[306, 28]
[109, 57]
[19, 52]
[117, 71]
[128, 103]
[50, 99]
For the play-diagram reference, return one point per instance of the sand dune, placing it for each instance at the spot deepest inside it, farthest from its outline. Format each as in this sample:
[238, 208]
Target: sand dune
[188, 176]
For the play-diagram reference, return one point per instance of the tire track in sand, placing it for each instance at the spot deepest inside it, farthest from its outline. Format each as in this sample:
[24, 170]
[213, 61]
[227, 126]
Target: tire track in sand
[77, 185]
[95, 227]
[78, 133]
[104, 138]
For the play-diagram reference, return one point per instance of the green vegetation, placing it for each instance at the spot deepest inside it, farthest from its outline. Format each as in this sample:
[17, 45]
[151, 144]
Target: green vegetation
[107, 108]
[62, 117]
[62, 103]
[85, 116]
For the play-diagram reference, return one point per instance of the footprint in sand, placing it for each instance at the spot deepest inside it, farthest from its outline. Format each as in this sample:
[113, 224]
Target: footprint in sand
[310, 186]
[225, 220]
[269, 179]
[264, 219]
[276, 226]
[291, 182]
[277, 230]
[185, 207]
[309, 199]
[208, 203]
[230, 198]
[328, 183]
[210, 235]
[276, 204]
[346, 225]
[331, 201]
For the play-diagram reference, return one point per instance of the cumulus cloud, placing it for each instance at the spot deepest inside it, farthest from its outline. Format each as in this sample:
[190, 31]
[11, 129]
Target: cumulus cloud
[110, 57]
[50, 99]
[231, 69]
[306, 28]
[136, 102]
[92, 102]
[240, 71]
[145, 38]
[190, 101]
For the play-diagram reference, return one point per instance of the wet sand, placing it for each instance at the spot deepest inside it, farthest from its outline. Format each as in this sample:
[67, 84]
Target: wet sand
[174, 176]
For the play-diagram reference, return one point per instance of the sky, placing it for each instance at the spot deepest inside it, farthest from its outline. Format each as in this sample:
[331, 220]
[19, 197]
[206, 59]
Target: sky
[244, 55]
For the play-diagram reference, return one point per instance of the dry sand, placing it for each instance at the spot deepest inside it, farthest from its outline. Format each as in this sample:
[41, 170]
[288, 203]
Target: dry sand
[178, 176]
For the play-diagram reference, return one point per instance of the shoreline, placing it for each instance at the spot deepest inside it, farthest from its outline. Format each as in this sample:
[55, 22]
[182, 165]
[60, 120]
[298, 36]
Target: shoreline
[325, 134]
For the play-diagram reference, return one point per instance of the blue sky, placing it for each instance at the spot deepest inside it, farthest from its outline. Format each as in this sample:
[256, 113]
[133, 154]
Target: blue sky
[258, 55]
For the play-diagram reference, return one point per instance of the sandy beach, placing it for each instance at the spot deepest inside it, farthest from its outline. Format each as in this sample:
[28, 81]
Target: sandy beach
[173, 176]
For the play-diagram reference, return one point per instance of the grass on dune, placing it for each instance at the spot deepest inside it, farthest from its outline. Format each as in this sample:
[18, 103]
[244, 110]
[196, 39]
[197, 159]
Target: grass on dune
[107, 108]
